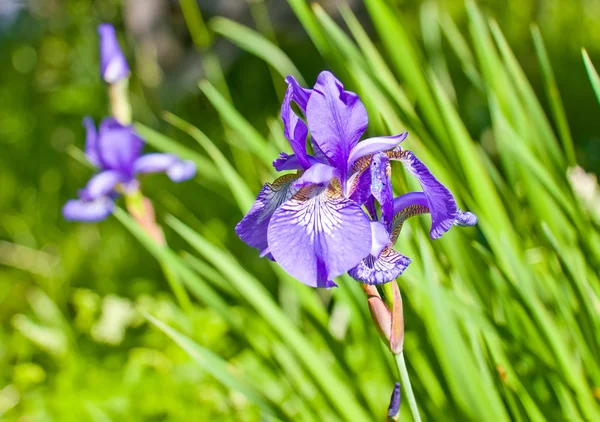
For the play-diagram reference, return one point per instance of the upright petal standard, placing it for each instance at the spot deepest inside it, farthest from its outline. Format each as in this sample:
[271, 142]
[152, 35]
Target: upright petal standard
[313, 222]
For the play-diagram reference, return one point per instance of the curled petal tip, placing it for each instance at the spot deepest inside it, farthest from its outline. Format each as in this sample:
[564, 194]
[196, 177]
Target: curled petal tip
[465, 219]
[182, 171]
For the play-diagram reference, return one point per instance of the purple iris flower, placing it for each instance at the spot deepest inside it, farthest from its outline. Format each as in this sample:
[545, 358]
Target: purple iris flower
[312, 222]
[116, 151]
[113, 65]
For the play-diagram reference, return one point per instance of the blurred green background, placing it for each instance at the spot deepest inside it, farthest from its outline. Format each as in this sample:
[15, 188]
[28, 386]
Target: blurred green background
[72, 346]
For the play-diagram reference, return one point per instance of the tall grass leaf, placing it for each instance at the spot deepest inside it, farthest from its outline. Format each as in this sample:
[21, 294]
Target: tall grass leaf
[541, 131]
[556, 104]
[461, 48]
[310, 25]
[164, 255]
[338, 393]
[195, 23]
[379, 68]
[406, 61]
[592, 73]
[255, 43]
[252, 139]
[240, 190]
[218, 368]
[470, 391]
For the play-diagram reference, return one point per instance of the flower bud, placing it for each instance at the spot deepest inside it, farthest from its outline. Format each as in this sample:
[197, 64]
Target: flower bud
[113, 66]
[394, 407]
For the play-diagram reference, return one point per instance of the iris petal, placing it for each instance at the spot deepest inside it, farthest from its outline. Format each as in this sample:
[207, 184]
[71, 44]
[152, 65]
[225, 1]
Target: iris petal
[91, 142]
[375, 145]
[299, 95]
[384, 269]
[318, 235]
[253, 227]
[154, 163]
[465, 219]
[113, 65]
[176, 169]
[88, 211]
[101, 184]
[381, 188]
[118, 146]
[336, 118]
[294, 128]
[441, 203]
[379, 238]
[318, 174]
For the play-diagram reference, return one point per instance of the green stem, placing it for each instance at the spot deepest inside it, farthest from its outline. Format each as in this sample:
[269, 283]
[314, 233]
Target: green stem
[178, 289]
[412, 403]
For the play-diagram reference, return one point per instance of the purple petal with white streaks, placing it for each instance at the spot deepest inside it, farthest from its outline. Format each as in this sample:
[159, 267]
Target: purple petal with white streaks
[253, 227]
[318, 235]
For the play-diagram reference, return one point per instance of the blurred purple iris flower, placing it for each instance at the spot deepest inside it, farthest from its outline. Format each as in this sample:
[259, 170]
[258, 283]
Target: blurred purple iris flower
[312, 222]
[116, 151]
[113, 65]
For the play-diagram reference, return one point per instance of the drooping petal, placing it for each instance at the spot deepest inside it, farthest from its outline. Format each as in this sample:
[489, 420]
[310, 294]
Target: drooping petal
[88, 211]
[318, 174]
[287, 162]
[176, 169]
[381, 187]
[91, 142]
[465, 219]
[318, 235]
[101, 184]
[408, 199]
[113, 65]
[253, 227]
[182, 171]
[379, 238]
[118, 146]
[290, 162]
[294, 128]
[440, 201]
[384, 269]
[155, 162]
[336, 118]
[299, 95]
[375, 145]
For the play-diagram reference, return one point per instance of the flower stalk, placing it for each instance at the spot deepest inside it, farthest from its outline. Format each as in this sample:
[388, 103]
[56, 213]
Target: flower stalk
[142, 211]
[389, 322]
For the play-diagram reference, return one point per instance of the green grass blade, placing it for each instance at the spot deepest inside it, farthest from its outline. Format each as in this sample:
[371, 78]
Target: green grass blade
[249, 287]
[241, 192]
[556, 104]
[218, 368]
[592, 73]
[255, 43]
[252, 138]
[164, 255]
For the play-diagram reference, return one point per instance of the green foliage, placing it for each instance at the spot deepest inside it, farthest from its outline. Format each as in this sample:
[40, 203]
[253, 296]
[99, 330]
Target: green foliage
[503, 321]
